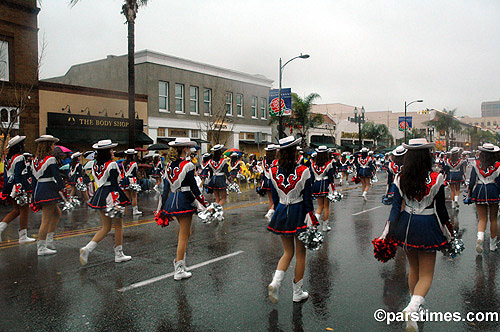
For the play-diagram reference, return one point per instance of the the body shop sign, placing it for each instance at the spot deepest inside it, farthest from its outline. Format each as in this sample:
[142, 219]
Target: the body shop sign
[286, 102]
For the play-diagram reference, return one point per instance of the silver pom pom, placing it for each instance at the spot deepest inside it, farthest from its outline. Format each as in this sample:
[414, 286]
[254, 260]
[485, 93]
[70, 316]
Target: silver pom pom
[80, 186]
[338, 176]
[350, 171]
[233, 187]
[453, 248]
[213, 213]
[335, 197]
[115, 211]
[240, 176]
[374, 179]
[75, 201]
[312, 238]
[67, 206]
[22, 199]
[134, 187]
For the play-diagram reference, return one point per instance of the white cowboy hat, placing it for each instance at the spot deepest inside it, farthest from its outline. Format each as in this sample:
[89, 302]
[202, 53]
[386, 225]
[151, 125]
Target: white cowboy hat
[130, 151]
[314, 154]
[206, 154]
[364, 150]
[47, 138]
[488, 147]
[217, 147]
[182, 141]
[76, 155]
[418, 143]
[289, 141]
[234, 154]
[27, 154]
[321, 148]
[272, 147]
[15, 140]
[456, 149]
[104, 144]
[399, 151]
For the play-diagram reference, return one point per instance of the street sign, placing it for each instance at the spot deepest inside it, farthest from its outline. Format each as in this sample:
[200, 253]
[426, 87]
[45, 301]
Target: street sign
[404, 124]
[286, 101]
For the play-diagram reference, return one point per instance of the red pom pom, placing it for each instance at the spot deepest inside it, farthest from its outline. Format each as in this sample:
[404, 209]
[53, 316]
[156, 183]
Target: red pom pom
[162, 220]
[384, 249]
[34, 208]
[356, 180]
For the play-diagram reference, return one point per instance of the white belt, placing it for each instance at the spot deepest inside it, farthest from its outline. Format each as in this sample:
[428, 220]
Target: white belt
[184, 189]
[322, 178]
[108, 183]
[219, 174]
[365, 166]
[425, 212]
[47, 180]
[293, 201]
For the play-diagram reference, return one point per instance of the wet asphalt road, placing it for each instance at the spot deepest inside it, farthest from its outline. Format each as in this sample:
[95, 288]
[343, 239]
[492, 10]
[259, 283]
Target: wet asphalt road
[346, 284]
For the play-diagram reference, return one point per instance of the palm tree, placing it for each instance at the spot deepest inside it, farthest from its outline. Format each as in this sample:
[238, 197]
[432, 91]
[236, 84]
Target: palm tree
[301, 119]
[376, 132]
[129, 10]
[446, 122]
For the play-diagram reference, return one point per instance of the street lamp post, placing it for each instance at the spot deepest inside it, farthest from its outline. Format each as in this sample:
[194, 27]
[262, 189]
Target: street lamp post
[281, 131]
[359, 119]
[406, 105]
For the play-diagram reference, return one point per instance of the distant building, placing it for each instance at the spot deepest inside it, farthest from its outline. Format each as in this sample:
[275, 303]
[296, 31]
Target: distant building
[187, 98]
[490, 108]
[490, 122]
[19, 68]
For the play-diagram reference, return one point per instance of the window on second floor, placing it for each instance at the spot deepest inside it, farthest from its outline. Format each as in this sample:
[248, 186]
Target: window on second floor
[263, 108]
[163, 96]
[193, 100]
[9, 115]
[229, 103]
[179, 98]
[239, 104]
[254, 107]
[207, 101]
[4, 60]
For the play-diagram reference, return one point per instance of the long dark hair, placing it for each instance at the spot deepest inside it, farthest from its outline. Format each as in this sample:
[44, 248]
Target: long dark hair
[103, 156]
[416, 167]
[16, 149]
[217, 154]
[363, 155]
[74, 161]
[454, 156]
[287, 159]
[398, 160]
[487, 159]
[270, 155]
[321, 158]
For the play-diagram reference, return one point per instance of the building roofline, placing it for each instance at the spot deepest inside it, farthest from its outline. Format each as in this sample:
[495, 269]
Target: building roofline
[82, 90]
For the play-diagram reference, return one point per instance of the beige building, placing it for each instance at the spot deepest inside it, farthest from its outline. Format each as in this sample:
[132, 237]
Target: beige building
[81, 116]
[490, 122]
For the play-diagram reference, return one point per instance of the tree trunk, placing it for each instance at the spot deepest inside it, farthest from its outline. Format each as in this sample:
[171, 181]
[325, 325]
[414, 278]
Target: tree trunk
[131, 84]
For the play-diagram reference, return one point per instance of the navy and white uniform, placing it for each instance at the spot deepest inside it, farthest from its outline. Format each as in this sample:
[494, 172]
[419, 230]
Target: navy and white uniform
[365, 167]
[220, 173]
[424, 223]
[129, 174]
[108, 192]
[292, 198]
[235, 168]
[454, 170]
[181, 194]
[323, 178]
[48, 181]
[266, 175]
[17, 177]
[342, 166]
[393, 170]
[158, 169]
[484, 184]
[205, 170]
[75, 173]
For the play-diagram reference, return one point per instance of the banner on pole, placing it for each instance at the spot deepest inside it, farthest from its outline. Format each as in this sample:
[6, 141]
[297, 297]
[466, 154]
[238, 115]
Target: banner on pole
[405, 124]
[286, 101]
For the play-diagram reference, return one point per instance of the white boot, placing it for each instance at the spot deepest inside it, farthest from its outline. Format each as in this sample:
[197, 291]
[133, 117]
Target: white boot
[180, 270]
[135, 211]
[456, 203]
[298, 294]
[3, 226]
[326, 227]
[23, 236]
[494, 243]
[50, 241]
[274, 286]
[479, 244]
[85, 251]
[364, 195]
[452, 204]
[414, 306]
[120, 256]
[42, 249]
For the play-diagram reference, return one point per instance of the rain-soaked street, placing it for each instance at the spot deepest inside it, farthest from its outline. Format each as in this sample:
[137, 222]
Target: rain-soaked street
[232, 264]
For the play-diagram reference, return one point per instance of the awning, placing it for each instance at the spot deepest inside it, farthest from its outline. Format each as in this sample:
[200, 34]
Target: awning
[90, 136]
[246, 141]
[328, 145]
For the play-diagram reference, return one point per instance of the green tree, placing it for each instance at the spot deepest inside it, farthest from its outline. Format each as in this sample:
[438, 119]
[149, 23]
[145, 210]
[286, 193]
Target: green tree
[376, 132]
[129, 10]
[301, 119]
[445, 122]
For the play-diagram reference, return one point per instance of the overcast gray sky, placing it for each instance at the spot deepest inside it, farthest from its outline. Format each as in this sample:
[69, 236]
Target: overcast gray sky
[373, 53]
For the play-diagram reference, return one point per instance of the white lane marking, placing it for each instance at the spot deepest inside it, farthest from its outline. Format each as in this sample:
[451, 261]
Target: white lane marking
[171, 274]
[358, 213]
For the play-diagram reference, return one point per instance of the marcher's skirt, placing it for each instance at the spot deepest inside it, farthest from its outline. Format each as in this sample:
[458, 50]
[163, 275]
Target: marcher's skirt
[365, 172]
[204, 173]
[73, 179]
[179, 203]
[454, 177]
[485, 194]
[419, 232]
[320, 188]
[100, 199]
[266, 183]
[46, 192]
[125, 182]
[217, 182]
[288, 220]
